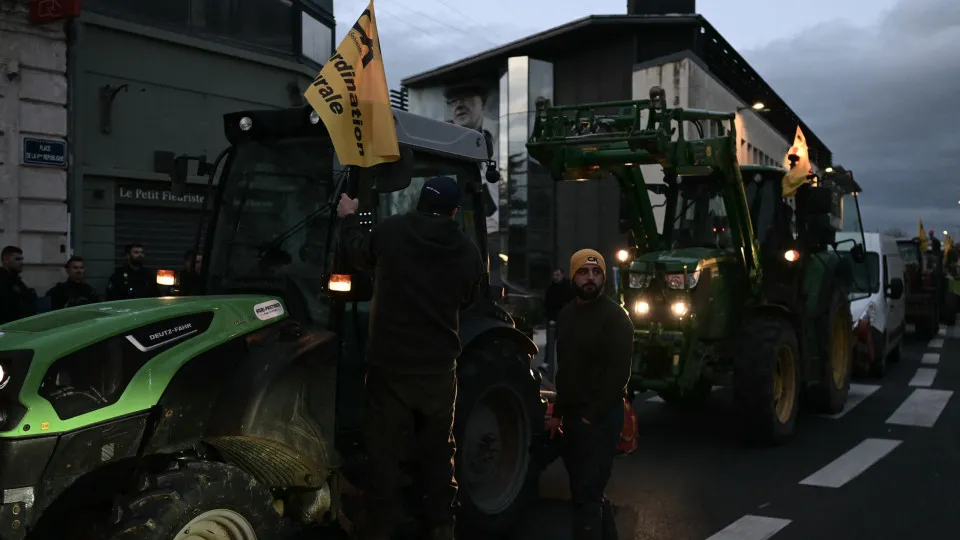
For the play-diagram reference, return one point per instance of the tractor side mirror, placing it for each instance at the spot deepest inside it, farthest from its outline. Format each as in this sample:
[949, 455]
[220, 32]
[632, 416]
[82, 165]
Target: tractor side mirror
[395, 176]
[895, 289]
[859, 254]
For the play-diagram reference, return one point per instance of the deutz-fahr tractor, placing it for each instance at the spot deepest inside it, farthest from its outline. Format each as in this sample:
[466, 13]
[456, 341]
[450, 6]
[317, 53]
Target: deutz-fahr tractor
[737, 287]
[235, 415]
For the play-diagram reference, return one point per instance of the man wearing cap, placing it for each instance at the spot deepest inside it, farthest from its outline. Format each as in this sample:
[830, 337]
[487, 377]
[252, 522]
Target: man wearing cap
[594, 352]
[426, 270]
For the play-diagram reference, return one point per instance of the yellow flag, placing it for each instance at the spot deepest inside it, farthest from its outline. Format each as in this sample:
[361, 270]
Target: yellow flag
[350, 94]
[947, 246]
[796, 176]
[922, 235]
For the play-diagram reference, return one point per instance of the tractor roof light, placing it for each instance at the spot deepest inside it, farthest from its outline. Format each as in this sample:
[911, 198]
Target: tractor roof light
[623, 255]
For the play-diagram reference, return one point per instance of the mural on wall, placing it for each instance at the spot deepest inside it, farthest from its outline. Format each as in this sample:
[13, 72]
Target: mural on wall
[472, 104]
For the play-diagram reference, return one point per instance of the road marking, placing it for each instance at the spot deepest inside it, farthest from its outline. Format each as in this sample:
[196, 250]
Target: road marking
[858, 393]
[923, 377]
[930, 358]
[751, 528]
[658, 399]
[942, 331]
[850, 465]
[921, 408]
[936, 343]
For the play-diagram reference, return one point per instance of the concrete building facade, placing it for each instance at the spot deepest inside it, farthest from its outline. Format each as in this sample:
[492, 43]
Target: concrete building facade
[124, 87]
[596, 59]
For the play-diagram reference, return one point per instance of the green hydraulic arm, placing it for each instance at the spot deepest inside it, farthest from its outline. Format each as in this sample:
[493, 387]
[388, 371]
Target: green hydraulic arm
[575, 142]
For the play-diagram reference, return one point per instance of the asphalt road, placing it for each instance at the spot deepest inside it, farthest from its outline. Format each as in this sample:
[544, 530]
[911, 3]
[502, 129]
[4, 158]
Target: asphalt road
[888, 467]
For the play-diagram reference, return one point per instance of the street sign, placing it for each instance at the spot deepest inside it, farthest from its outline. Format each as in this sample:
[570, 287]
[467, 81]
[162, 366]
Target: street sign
[45, 152]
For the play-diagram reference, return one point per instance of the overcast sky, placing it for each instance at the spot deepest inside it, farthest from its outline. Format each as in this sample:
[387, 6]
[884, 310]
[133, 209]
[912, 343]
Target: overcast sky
[876, 80]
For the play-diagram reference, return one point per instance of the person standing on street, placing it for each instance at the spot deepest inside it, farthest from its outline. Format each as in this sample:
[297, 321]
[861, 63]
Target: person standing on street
[132, 280]
[17, 301]
[558, 294]
[426, 270]
[74, 291]
[594, 353]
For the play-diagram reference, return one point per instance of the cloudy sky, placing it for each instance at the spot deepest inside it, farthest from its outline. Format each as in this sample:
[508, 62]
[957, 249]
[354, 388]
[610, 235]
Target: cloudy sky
[875, 79]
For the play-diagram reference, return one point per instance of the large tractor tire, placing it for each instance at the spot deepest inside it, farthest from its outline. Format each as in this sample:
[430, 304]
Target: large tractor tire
[198, 499]
[499, 418]
[835, 340]
[766, 380]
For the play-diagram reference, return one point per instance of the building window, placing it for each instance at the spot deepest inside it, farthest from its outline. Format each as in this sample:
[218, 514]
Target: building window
[316, 38]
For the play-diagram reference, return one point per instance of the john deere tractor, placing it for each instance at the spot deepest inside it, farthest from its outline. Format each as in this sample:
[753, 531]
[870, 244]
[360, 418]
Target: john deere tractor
[737, 287]
[235, 415]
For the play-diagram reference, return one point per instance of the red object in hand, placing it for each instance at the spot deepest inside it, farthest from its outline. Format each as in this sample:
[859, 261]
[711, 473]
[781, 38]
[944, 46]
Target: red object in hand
[628, 435]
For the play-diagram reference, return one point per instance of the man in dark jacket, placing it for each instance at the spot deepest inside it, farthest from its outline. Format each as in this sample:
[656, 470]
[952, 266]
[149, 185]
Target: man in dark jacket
[74, 291]
[132, 280]
[188, 278]
[17, 301]
[426, 270]
[594, 353]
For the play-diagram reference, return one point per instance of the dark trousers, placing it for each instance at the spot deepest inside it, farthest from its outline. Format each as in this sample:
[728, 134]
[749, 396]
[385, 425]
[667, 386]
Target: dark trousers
[410, 411]
[588, 452]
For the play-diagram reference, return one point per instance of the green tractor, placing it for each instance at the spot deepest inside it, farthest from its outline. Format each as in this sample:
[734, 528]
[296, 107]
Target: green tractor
[737, 287]
[236, 415]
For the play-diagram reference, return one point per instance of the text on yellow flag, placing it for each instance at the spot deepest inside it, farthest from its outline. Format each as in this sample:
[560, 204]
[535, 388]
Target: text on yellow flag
[351, 97]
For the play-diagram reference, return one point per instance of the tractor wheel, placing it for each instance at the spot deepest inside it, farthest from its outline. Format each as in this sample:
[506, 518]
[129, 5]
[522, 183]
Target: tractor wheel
[835, 337]
[198, 499]
[766, 380]
[693, 398]
[499, 418]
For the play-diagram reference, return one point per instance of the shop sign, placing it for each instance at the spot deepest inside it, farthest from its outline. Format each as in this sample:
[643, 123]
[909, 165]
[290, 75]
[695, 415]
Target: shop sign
[158, 197]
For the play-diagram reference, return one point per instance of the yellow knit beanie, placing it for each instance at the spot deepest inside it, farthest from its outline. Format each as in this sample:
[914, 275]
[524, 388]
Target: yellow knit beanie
[584, 257]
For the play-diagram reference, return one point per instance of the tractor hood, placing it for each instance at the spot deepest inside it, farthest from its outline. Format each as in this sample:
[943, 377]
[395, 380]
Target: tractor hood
[77, 326]
[674, 261]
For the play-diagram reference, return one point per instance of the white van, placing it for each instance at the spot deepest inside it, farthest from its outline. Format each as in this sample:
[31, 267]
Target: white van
[879, 321]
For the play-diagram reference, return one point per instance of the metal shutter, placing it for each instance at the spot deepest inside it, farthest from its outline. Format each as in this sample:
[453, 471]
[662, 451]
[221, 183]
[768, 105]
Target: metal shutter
[166, 234]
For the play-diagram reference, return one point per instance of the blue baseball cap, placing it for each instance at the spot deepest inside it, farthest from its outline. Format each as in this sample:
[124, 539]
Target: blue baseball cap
[439, 195]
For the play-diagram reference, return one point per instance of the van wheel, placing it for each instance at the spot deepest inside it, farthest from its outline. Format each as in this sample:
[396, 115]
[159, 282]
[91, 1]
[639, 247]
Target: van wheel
[878, 365]
[897, 353]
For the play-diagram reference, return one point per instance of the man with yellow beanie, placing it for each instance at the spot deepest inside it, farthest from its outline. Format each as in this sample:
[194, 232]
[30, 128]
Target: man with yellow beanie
[594, 355]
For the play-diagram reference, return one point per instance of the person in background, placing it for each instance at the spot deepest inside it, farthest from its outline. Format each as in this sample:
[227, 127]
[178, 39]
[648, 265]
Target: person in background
[73, 291]
[558, 294]
[594, 352]
[132, 280]
[17, 301]
[934, 242]
[188, 280]
[426, 270]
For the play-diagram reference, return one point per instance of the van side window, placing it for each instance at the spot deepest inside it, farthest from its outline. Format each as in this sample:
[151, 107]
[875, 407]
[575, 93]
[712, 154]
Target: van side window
[885, 278]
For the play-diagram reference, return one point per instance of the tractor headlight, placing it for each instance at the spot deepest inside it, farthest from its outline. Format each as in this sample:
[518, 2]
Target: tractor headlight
[623, 255]
[640, 281]
[679, 308]
[246, 123]
[676, 281]
[641, 307]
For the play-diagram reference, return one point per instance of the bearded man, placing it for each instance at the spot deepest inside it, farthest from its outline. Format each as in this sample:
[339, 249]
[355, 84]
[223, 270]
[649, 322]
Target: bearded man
[594, 354]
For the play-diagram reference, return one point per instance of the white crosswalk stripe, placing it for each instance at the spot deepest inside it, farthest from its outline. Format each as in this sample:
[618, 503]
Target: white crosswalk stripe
[930, 358]
[751, 527]
[922, 408]
[851, 464]
[923, 377]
